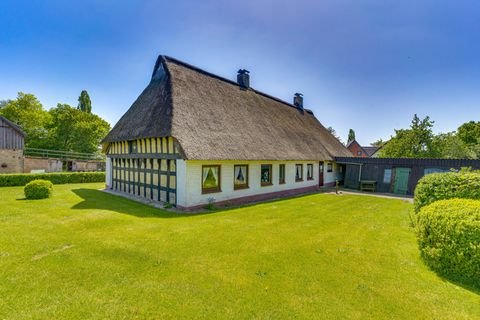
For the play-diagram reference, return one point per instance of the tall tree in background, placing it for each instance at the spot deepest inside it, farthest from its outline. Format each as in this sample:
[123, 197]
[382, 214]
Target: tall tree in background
[378, 143]
[28, 113]
[84, 102]
[351, 135]
[416, 142]
[334, 133]
[74, 130]
[469, 133]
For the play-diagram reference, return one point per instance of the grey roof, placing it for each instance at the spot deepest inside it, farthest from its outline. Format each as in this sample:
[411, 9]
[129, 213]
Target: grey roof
[212, 118]
[13, 125]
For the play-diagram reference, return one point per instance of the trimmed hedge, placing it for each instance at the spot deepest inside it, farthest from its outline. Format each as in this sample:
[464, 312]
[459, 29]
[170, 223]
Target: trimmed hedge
[448, 233]
[38, 189]
[448, 185]
[21, 179]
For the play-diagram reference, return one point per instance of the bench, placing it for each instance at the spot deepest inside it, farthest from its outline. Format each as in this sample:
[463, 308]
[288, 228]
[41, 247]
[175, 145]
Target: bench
[368, 185]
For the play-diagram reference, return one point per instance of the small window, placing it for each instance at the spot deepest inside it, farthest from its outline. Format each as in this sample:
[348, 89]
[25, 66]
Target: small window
[309, 171]
[359, 153]
[266, 175]
[330, 167]
[281, 174]
[240, 176]
[387, 176]
[211, 179]
[298, 172]
[132, 146]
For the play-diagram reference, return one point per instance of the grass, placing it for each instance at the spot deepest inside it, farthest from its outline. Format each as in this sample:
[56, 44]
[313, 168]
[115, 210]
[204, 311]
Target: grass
[86, 254]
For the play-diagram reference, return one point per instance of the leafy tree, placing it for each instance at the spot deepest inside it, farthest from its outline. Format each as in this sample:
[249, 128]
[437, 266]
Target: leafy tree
[74, 130]
[28, 113]
[84, 102]
[3, 103]
[351, 135]
[469, 132]
[334, 133]
[450, 146]
[378, 143]
[416, 142]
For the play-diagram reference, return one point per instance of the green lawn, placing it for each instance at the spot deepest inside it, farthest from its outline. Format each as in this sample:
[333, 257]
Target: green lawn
[86, 254]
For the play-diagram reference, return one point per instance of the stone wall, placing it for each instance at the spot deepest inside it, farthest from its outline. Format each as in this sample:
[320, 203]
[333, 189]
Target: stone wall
[48, 165]
[11, 160]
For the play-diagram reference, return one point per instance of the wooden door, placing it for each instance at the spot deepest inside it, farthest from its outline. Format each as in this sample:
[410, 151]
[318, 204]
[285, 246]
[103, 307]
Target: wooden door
[402, 176]
[320, 174]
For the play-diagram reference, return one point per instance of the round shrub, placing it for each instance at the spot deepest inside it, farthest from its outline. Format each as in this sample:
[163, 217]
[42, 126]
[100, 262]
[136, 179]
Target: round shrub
[38, 189]
[448, 233]
[448, 185]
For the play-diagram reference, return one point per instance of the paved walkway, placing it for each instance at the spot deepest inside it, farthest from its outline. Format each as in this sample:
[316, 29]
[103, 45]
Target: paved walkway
[372, 194]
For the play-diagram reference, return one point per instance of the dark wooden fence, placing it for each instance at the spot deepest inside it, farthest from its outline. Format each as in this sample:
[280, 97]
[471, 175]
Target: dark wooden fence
[374, 169]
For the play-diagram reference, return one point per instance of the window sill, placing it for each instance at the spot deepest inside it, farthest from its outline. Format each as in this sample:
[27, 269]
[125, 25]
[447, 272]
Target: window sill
[240, 187]
[211, 191]
[266, 184]
[309, 179]
[281, 182]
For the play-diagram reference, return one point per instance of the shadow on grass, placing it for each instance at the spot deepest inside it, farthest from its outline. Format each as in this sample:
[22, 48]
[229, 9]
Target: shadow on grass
[97, 199]
[466, 284]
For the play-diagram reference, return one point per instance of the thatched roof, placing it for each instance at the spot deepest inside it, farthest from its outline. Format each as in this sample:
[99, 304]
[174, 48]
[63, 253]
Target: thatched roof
[213, 118]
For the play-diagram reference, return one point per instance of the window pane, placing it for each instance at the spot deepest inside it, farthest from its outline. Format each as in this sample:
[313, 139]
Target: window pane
[266, 174]
[387, 176]
[240, 176]
[281, 174]
[298, 172]
[211, 177]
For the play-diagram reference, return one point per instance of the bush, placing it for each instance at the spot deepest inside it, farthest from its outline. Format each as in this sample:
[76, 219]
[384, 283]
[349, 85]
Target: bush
[38, 189]
[448, 233]
[21, 179]
[448, 185]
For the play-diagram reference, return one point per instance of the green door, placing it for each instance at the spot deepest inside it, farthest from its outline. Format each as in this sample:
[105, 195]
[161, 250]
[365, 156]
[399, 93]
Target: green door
[401, 180]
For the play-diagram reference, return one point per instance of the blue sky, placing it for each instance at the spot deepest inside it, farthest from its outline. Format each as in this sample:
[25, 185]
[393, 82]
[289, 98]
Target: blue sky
[367, 65]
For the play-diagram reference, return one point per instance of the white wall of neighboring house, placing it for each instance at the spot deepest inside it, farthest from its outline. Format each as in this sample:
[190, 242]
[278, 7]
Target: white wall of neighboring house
[189, 180]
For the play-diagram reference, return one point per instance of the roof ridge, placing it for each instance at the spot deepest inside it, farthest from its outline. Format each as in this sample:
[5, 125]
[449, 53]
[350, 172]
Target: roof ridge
[14, 125]
[216, 76]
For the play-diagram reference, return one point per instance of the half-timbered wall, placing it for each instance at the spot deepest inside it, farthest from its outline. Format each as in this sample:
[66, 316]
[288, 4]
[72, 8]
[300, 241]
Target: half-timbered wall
[148, 172]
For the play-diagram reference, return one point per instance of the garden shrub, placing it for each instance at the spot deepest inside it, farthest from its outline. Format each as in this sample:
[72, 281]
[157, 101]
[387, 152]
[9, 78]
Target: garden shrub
[448, 185]
[21, 179]
[448, 233]
[38, 189]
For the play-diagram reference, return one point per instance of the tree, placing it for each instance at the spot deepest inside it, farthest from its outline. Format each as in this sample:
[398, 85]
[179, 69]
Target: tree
[27, 112]
[416, 142]
[351, 135]
[3, 103]
[84, 102]
[334, 133]
[378, 143]
[469, 132]
[450, 146]
[75, 130]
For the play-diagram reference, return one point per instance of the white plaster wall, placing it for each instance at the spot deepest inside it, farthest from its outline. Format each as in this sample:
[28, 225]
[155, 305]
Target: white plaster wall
[108, 172]
[190, 192]
[330, 177]
[181, 167]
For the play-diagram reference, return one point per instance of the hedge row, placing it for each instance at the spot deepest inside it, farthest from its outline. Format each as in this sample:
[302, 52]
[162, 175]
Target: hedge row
[448, 233]
[21, 179]
[440, 186]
